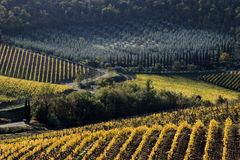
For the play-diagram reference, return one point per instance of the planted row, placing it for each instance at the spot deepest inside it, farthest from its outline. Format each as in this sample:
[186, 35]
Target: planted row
[25, 64]
[169, 142]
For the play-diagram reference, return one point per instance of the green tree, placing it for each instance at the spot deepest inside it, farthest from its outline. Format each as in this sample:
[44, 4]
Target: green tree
[149, 97]
[224, 57]
[79, 78]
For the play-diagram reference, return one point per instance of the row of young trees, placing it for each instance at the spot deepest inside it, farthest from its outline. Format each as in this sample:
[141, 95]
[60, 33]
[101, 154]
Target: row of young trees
[204, 57]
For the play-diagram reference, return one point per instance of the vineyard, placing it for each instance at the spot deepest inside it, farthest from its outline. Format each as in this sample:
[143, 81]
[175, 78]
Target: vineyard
[25, 64]
[132, 43]
[186, 86]
[229, 80]
[119, 80]
[168, 142]
[193, 133]
[12, 87]
[4, 98]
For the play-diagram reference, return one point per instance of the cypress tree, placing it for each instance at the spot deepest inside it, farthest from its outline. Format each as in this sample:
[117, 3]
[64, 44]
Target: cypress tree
[148, 60]
[151, 60]
[164, 60]
[154, 60]
[27, 111]
[131, 60]
[117, 61]
[187, 58]
[137, 60]
[114, 61]
[127, 60]
[144, 60]
[158, 59]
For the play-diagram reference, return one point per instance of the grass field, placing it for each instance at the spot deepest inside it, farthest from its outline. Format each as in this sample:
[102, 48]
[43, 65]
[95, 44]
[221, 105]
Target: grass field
[186, 86]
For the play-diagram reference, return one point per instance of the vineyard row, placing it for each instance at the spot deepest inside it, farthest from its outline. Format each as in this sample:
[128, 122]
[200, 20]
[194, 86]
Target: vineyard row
[229, 80]
[25, 64]
[188, 142]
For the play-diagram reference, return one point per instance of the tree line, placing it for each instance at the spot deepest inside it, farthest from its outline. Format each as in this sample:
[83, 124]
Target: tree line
[202, 57]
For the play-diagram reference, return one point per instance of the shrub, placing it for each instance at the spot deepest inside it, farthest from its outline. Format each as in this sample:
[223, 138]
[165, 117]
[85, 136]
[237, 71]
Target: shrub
[106, 103]
[225, 57]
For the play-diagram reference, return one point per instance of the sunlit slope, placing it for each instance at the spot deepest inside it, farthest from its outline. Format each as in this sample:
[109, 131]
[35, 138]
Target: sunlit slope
[14, 87]
[184, 141]
[187, 87]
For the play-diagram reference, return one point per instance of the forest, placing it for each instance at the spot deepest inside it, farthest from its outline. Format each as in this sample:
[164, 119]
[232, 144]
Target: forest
[220, 14]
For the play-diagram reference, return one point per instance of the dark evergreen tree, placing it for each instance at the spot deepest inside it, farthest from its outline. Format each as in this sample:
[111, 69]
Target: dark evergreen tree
[27, 111]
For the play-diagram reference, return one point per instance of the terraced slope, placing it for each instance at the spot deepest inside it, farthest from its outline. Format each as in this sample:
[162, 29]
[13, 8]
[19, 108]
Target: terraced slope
[25, 64]
[229, 80]
[188, 142]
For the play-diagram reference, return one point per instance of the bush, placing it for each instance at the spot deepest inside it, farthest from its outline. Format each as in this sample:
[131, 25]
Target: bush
[105, 82]
[225, 57]
[106, 103]
[192, 67]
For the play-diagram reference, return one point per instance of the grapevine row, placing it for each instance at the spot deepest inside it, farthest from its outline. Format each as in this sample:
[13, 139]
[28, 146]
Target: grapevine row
[100, 145]
[229, 80]
[25, 64]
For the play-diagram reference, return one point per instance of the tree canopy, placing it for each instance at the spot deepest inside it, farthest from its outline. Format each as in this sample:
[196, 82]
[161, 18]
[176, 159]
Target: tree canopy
[35, 13]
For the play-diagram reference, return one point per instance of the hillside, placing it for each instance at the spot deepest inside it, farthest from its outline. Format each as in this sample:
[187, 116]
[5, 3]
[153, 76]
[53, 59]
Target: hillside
[187, 86]
[135, 38]
[217, 14]
[119, 80]
[26, 64]
[150, 136]
[13, 88]
[229, 80]
[164, 142]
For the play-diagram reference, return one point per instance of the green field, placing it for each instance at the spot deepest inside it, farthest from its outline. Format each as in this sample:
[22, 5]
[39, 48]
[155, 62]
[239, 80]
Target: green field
[186, 86]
